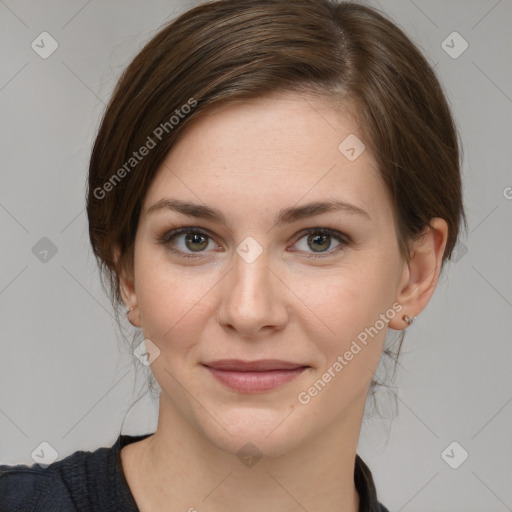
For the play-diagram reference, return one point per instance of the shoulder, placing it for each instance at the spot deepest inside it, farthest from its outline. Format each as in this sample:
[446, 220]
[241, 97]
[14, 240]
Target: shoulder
[32, 488]
[366, 488]
[81, 481]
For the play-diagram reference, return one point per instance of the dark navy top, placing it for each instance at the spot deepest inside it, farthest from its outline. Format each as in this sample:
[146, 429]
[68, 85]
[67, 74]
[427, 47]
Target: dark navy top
[95, 482]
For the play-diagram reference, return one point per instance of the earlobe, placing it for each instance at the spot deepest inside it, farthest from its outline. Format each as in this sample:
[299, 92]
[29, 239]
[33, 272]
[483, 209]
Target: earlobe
[130, 300]
[421, 273]
[128, 294]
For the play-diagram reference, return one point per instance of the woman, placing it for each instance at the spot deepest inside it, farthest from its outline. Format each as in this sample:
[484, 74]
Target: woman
[273, 185]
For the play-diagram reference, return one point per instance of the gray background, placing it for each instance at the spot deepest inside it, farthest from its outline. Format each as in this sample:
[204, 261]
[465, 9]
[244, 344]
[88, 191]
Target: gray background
[66, 376]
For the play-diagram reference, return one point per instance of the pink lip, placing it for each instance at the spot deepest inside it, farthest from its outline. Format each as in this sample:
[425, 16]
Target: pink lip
[254, 376]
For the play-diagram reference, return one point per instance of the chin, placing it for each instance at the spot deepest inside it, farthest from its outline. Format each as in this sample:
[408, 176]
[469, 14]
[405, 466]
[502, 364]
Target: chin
[267, 433]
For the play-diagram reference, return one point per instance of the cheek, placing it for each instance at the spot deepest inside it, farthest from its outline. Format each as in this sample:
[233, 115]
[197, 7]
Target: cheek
[348, 334]
[345, 306]
[348, 299]
[171, 301]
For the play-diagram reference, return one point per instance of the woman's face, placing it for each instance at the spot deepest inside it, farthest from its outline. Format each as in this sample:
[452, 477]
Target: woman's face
[265, 277]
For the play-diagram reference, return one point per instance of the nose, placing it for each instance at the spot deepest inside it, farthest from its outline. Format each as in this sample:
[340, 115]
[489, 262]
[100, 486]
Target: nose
[253, 299]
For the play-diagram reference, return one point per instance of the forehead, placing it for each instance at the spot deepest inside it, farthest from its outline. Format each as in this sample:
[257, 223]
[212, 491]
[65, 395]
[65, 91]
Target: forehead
[282, 147]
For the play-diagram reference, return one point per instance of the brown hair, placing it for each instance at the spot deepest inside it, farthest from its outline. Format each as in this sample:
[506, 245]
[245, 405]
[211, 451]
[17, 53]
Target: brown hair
[226, 51]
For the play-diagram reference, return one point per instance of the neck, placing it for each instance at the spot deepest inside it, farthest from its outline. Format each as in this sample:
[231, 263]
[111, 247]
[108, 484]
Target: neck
[179, 469]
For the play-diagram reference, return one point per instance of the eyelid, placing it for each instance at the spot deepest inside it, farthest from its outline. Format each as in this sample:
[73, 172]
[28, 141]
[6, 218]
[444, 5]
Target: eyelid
[168, 235]
[343, 239]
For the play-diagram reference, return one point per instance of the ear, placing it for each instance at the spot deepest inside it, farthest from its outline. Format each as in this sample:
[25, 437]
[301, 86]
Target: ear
[127, 285]
[421, 273]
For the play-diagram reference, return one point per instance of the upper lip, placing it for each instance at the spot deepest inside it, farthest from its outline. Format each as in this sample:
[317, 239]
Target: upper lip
[255, 366]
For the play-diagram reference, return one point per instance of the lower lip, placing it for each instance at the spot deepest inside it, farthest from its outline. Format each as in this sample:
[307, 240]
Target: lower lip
[252, 382]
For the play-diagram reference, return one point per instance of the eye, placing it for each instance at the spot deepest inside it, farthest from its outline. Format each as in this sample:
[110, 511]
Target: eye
[190, 242]
[187, 241]
[320, 242]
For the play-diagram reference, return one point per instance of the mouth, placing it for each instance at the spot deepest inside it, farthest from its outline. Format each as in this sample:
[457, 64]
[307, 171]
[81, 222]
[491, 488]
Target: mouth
[254, 376]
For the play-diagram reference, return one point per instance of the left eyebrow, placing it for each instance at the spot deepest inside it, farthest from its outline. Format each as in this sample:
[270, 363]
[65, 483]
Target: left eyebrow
[294, 214]
[286, 216]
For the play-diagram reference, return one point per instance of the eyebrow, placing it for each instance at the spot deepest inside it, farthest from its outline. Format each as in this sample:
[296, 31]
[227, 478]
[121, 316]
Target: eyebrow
[286, 216]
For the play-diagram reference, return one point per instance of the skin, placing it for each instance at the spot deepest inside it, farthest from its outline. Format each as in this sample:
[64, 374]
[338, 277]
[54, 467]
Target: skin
[250, 161]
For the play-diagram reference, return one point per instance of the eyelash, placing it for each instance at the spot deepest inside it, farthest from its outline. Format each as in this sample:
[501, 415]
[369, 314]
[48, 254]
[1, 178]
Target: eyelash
[166, 238]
